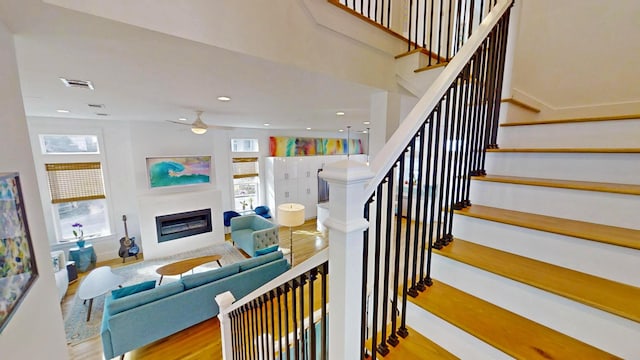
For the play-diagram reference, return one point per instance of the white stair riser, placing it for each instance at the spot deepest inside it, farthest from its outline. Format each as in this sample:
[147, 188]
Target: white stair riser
[591, 206]
[608, 332]
[450, 337]
[595, 134]
[613, 168]
[611, 262]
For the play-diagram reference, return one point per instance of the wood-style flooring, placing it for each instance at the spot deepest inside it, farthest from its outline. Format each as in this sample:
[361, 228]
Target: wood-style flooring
[201, 341]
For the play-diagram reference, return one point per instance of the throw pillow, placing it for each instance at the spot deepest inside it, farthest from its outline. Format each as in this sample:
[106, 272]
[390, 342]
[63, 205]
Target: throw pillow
[129, 290]
[267, 250]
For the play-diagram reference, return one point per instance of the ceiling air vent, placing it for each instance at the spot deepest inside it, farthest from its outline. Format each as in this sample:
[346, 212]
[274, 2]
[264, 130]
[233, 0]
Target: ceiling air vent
[102, 114]
[85, 84]
[96, 106]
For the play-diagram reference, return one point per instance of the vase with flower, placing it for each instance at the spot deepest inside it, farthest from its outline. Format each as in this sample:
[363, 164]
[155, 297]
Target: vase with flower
[79, 234]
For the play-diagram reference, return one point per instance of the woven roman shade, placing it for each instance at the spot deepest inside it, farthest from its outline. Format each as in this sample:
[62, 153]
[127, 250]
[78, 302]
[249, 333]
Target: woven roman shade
[245, 167]
[75, 182]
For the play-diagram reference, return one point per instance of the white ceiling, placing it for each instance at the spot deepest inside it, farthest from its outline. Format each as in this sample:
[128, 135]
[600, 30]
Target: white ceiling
[148, 76]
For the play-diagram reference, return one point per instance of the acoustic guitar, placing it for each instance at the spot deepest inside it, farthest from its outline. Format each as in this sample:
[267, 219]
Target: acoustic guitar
[128, 246]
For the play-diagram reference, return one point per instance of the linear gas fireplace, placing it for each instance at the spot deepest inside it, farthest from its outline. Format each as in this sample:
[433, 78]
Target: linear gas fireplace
[175, 226]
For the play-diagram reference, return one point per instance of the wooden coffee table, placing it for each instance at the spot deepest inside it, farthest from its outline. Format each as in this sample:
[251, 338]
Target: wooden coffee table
[182, 266]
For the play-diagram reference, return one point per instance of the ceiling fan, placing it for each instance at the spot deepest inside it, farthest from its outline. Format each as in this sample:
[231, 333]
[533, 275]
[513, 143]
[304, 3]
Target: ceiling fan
[198, 127]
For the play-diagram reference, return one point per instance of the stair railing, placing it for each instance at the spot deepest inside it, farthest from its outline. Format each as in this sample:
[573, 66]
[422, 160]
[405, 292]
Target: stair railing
[434, 153]
[287, 318]
[439, 27]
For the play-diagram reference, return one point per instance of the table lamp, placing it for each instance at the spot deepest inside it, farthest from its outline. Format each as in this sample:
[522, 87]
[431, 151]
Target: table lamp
[291, 215]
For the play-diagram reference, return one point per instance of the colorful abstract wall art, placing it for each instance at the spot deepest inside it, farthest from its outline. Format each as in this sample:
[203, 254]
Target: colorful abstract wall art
[18, 269]
[293, 146]
[177, 171]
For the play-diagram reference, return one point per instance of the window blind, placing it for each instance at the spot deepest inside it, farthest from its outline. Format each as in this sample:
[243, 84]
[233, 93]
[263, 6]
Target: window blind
[75, 181]
[245, 167]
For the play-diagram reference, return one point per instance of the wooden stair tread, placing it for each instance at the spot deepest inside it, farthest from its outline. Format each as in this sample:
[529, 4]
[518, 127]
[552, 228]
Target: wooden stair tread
[580, 229]
[565, 184]
[573, 120]
[570, 150]
[613, 297]
[414, 346]
[508, 332]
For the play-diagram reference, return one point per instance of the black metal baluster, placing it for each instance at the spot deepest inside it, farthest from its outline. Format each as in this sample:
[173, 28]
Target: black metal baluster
[303, 336]
[260, 318]
[382, 348]
[286, 320]
[419, 222]
[471, 26]
[464, 145]
[439, 52]
[325, 299]
[449, 27]
[415, 38]
[273, 324]
[389, 14]
[409, 27]
[431, 52]
[411, 291]
[294, 315]
[313, 273]
[448, 215]
[436, 117]
[234, 338]
[424, 27]
[428, 199]
[441, 240]
[279, 293]
[402, 330]
[376, 268]
[365, 268]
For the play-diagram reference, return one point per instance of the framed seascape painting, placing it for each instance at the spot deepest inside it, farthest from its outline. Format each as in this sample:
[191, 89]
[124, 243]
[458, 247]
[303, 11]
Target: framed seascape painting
[17, 261]
[178, 171]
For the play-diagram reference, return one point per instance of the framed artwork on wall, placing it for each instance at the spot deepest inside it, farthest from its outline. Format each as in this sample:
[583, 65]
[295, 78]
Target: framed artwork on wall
[178, 170]
[18, 269]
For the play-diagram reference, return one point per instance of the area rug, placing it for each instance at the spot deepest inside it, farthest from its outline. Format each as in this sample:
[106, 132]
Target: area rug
[78, 329]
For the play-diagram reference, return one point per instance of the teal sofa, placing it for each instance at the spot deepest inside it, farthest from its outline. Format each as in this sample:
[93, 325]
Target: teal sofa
[254, 234]
[140, 314]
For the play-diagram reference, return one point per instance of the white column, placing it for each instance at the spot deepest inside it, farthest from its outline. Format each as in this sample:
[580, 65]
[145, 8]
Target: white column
[347, 180]
[384, 117]
[225, 300]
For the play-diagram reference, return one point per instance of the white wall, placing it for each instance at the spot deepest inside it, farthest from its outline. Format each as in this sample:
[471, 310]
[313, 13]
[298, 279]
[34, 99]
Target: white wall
[36, 330]
[578, 57]
[258, 28]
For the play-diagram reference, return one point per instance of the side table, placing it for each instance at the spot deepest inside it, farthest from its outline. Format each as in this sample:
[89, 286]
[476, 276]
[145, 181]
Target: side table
[85, 257]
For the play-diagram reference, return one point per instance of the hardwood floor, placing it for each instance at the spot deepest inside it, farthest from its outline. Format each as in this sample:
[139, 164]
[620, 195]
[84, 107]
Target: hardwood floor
[201, 341]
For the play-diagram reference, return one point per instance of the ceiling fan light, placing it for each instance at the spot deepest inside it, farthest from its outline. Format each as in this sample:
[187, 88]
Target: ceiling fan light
[198, 130]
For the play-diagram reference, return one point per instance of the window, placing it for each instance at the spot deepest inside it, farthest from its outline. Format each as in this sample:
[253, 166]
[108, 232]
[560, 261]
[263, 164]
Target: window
[244, 145]
[246, 183]
[69, 144]
[76, 189]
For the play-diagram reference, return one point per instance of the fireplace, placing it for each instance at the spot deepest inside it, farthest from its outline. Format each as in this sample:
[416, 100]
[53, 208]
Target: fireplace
[179, 225]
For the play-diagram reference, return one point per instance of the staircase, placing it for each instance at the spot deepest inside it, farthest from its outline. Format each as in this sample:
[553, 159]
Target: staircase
[545, 266]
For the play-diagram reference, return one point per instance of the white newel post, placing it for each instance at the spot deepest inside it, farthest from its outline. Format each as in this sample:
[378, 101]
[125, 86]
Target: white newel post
[225, 300]
[347, 180]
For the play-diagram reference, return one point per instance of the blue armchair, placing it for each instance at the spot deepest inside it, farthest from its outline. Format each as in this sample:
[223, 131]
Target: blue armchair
[254, 234]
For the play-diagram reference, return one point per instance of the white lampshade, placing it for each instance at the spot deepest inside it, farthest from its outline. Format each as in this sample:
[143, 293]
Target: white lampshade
[291, 214]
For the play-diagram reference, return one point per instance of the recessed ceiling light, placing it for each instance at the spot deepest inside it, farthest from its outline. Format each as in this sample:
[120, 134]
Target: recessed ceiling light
[266, 124]
[182, 119]
[62, 111]
[308, 128]
[224, 98]
[340, 113]
[367, 122]
[341, 130]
